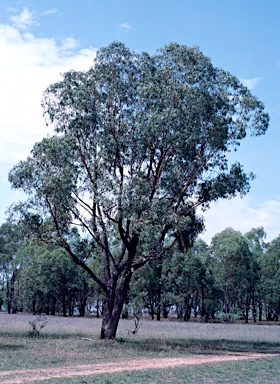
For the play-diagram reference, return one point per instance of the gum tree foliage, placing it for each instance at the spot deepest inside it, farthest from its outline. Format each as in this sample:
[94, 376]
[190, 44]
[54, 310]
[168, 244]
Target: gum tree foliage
[184, 280]
[270, 279]
[256, 239]
[140, 142]
[236, 270]
[49, 281]
[12, 238]
[193, 282]
[36, 277]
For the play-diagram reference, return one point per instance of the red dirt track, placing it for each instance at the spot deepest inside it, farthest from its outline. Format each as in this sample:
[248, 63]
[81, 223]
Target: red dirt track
[31, 375]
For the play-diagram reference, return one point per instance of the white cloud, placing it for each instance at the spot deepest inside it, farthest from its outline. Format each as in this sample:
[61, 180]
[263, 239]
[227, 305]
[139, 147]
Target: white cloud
[24, 20]
[69, 44]
[12, 9]
[251, 83]
[125, 26]
[239, 214]
[28, 65]
[50, 12]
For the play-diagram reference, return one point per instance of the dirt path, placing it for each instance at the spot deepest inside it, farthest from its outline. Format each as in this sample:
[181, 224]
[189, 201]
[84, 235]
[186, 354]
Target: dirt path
[31, 375]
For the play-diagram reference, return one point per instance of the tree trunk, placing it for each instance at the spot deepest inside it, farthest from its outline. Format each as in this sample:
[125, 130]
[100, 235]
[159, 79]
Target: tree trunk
[260, 310]
[179, 311]
[246, 315]
[47, 309]
[53, 304]
[165, 312]
[268, 314]
[113, 305]
[97, 309]
[187, 314]
[110, 323]
[82, 306]
[64, 309]
[70, 308]
[33, 306]
[9, 306]
[247, 308]
[158, 311]
[159, 289]
[116, 293]
[254, 308]
[152, 309]
[98, 305]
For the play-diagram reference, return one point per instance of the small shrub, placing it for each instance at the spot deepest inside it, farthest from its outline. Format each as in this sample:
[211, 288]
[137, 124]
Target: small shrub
[37, 325]
[137, 313]
[230, 317]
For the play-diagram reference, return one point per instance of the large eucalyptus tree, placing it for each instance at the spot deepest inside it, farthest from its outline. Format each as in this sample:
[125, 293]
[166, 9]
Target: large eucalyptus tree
[141, 141]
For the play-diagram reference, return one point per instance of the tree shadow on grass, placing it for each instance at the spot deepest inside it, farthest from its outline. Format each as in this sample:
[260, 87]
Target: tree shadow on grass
[153, 345]
[42, 335]
[11, 347]
[202, 346]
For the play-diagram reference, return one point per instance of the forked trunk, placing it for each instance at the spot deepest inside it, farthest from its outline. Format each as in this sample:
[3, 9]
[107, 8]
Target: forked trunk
[116, 293]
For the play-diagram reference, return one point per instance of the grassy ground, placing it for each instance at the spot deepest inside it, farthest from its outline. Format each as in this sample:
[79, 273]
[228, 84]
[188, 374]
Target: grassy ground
[71, 341]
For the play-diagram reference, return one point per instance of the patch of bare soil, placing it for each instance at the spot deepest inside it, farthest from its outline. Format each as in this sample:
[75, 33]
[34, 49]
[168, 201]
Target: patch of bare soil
[31, 375]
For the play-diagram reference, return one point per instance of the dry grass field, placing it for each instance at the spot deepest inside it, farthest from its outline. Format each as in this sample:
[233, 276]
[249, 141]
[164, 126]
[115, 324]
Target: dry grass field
[72, 342]
[165, 329]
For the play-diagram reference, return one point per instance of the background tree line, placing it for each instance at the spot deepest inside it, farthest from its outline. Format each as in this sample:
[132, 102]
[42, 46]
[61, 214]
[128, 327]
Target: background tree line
[236, 276]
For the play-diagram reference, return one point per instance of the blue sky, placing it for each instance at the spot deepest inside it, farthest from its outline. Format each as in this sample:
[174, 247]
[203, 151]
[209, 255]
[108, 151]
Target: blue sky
[41, 39]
